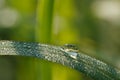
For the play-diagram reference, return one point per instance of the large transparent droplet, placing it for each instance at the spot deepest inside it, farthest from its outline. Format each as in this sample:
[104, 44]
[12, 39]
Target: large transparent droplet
[71, 50]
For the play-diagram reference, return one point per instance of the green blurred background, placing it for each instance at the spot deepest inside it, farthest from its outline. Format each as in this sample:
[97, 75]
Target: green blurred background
[94, 25]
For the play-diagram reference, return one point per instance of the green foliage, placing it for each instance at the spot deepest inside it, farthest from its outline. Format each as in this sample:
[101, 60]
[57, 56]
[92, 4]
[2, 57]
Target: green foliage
[61, 22]
[91, 67]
